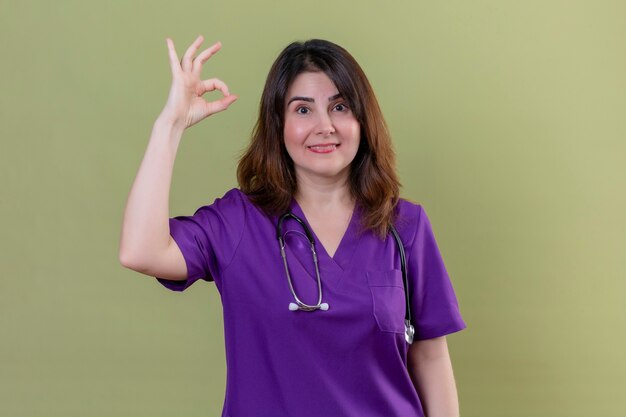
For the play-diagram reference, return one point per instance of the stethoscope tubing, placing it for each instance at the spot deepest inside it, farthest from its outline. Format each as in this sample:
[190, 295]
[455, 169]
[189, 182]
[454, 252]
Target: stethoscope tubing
[299, 305]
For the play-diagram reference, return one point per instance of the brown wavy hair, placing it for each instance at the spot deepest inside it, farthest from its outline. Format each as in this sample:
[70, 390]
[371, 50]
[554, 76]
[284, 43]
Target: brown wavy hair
[266, 172]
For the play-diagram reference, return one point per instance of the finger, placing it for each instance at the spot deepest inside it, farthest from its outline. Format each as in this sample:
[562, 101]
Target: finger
[174, 63]
[221, 104]
[186, 62]
[215, 84]
[204, 56]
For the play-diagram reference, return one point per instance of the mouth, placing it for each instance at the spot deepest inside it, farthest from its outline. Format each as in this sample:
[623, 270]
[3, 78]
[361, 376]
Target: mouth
[323, 147]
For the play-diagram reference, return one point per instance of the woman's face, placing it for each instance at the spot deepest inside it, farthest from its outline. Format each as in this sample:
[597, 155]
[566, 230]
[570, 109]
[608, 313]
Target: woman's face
[321, 133]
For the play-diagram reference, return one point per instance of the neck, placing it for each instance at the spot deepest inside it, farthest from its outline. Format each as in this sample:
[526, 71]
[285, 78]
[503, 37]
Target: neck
[329, 193]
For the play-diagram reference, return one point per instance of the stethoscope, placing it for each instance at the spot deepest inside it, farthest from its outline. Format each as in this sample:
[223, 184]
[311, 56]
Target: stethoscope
[409, 330]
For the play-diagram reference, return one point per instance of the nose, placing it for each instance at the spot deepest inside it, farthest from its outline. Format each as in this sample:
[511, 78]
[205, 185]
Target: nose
[325, 125]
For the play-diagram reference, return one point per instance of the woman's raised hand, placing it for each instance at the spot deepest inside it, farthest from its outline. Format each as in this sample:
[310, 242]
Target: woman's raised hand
[185, 105]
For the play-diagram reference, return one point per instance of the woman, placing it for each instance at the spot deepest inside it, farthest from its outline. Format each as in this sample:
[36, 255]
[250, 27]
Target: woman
[306, 334]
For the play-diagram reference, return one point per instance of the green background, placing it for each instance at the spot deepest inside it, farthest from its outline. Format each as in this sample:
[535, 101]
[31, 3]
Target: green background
[509, 120]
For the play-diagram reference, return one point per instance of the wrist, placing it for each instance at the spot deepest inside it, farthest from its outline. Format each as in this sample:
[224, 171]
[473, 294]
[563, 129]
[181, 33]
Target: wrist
[167, 124]
[166, 119]
[166, 133]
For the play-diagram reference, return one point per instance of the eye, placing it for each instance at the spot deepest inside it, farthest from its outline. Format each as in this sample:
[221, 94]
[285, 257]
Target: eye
[341, 107]
[302, 110]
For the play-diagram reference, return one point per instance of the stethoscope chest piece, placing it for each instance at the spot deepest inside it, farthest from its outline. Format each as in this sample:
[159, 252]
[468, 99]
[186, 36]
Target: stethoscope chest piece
[409, 331]
[294, 307]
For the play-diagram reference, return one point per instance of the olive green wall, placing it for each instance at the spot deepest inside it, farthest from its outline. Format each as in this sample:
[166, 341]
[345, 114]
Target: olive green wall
[509, 120]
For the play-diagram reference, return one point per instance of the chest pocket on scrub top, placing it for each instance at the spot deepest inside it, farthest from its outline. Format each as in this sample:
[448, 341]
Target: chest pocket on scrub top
[388, 301]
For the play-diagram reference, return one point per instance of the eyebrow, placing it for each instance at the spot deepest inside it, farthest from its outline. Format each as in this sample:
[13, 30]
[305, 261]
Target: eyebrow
[311, 100]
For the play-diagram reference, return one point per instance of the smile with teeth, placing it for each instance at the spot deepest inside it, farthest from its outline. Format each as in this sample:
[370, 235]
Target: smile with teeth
[323, 148]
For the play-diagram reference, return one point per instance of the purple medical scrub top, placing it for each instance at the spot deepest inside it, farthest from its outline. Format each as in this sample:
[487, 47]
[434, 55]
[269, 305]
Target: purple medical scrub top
[349, 360]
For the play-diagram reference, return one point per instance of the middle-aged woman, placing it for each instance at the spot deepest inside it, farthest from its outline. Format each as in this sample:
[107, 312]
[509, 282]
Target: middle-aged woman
[308, 333]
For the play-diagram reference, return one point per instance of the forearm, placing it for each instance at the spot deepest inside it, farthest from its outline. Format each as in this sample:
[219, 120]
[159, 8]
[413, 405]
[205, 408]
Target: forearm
[431, 371]
[145, 228]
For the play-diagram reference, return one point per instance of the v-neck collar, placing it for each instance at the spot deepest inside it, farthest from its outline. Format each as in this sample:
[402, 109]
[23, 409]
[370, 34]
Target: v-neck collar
[347, 245]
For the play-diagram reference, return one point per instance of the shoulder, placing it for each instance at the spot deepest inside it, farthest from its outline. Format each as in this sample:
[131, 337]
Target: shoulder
[407, 209]
[236, 205]
[408, 215]
[232, 199]
[232, 205]
[232, 195]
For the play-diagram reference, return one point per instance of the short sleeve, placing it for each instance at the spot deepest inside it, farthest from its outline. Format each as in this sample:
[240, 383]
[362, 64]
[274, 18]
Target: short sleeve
[208, 239]
[434, 306]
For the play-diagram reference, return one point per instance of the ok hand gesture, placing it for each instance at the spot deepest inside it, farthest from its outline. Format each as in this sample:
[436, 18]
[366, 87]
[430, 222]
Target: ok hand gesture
[185, 105]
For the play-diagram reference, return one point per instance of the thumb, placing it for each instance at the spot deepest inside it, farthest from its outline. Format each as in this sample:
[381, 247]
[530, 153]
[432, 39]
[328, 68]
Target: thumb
[221, 104]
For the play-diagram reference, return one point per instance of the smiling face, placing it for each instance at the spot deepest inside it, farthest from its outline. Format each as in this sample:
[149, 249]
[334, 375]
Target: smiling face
[321, 133]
